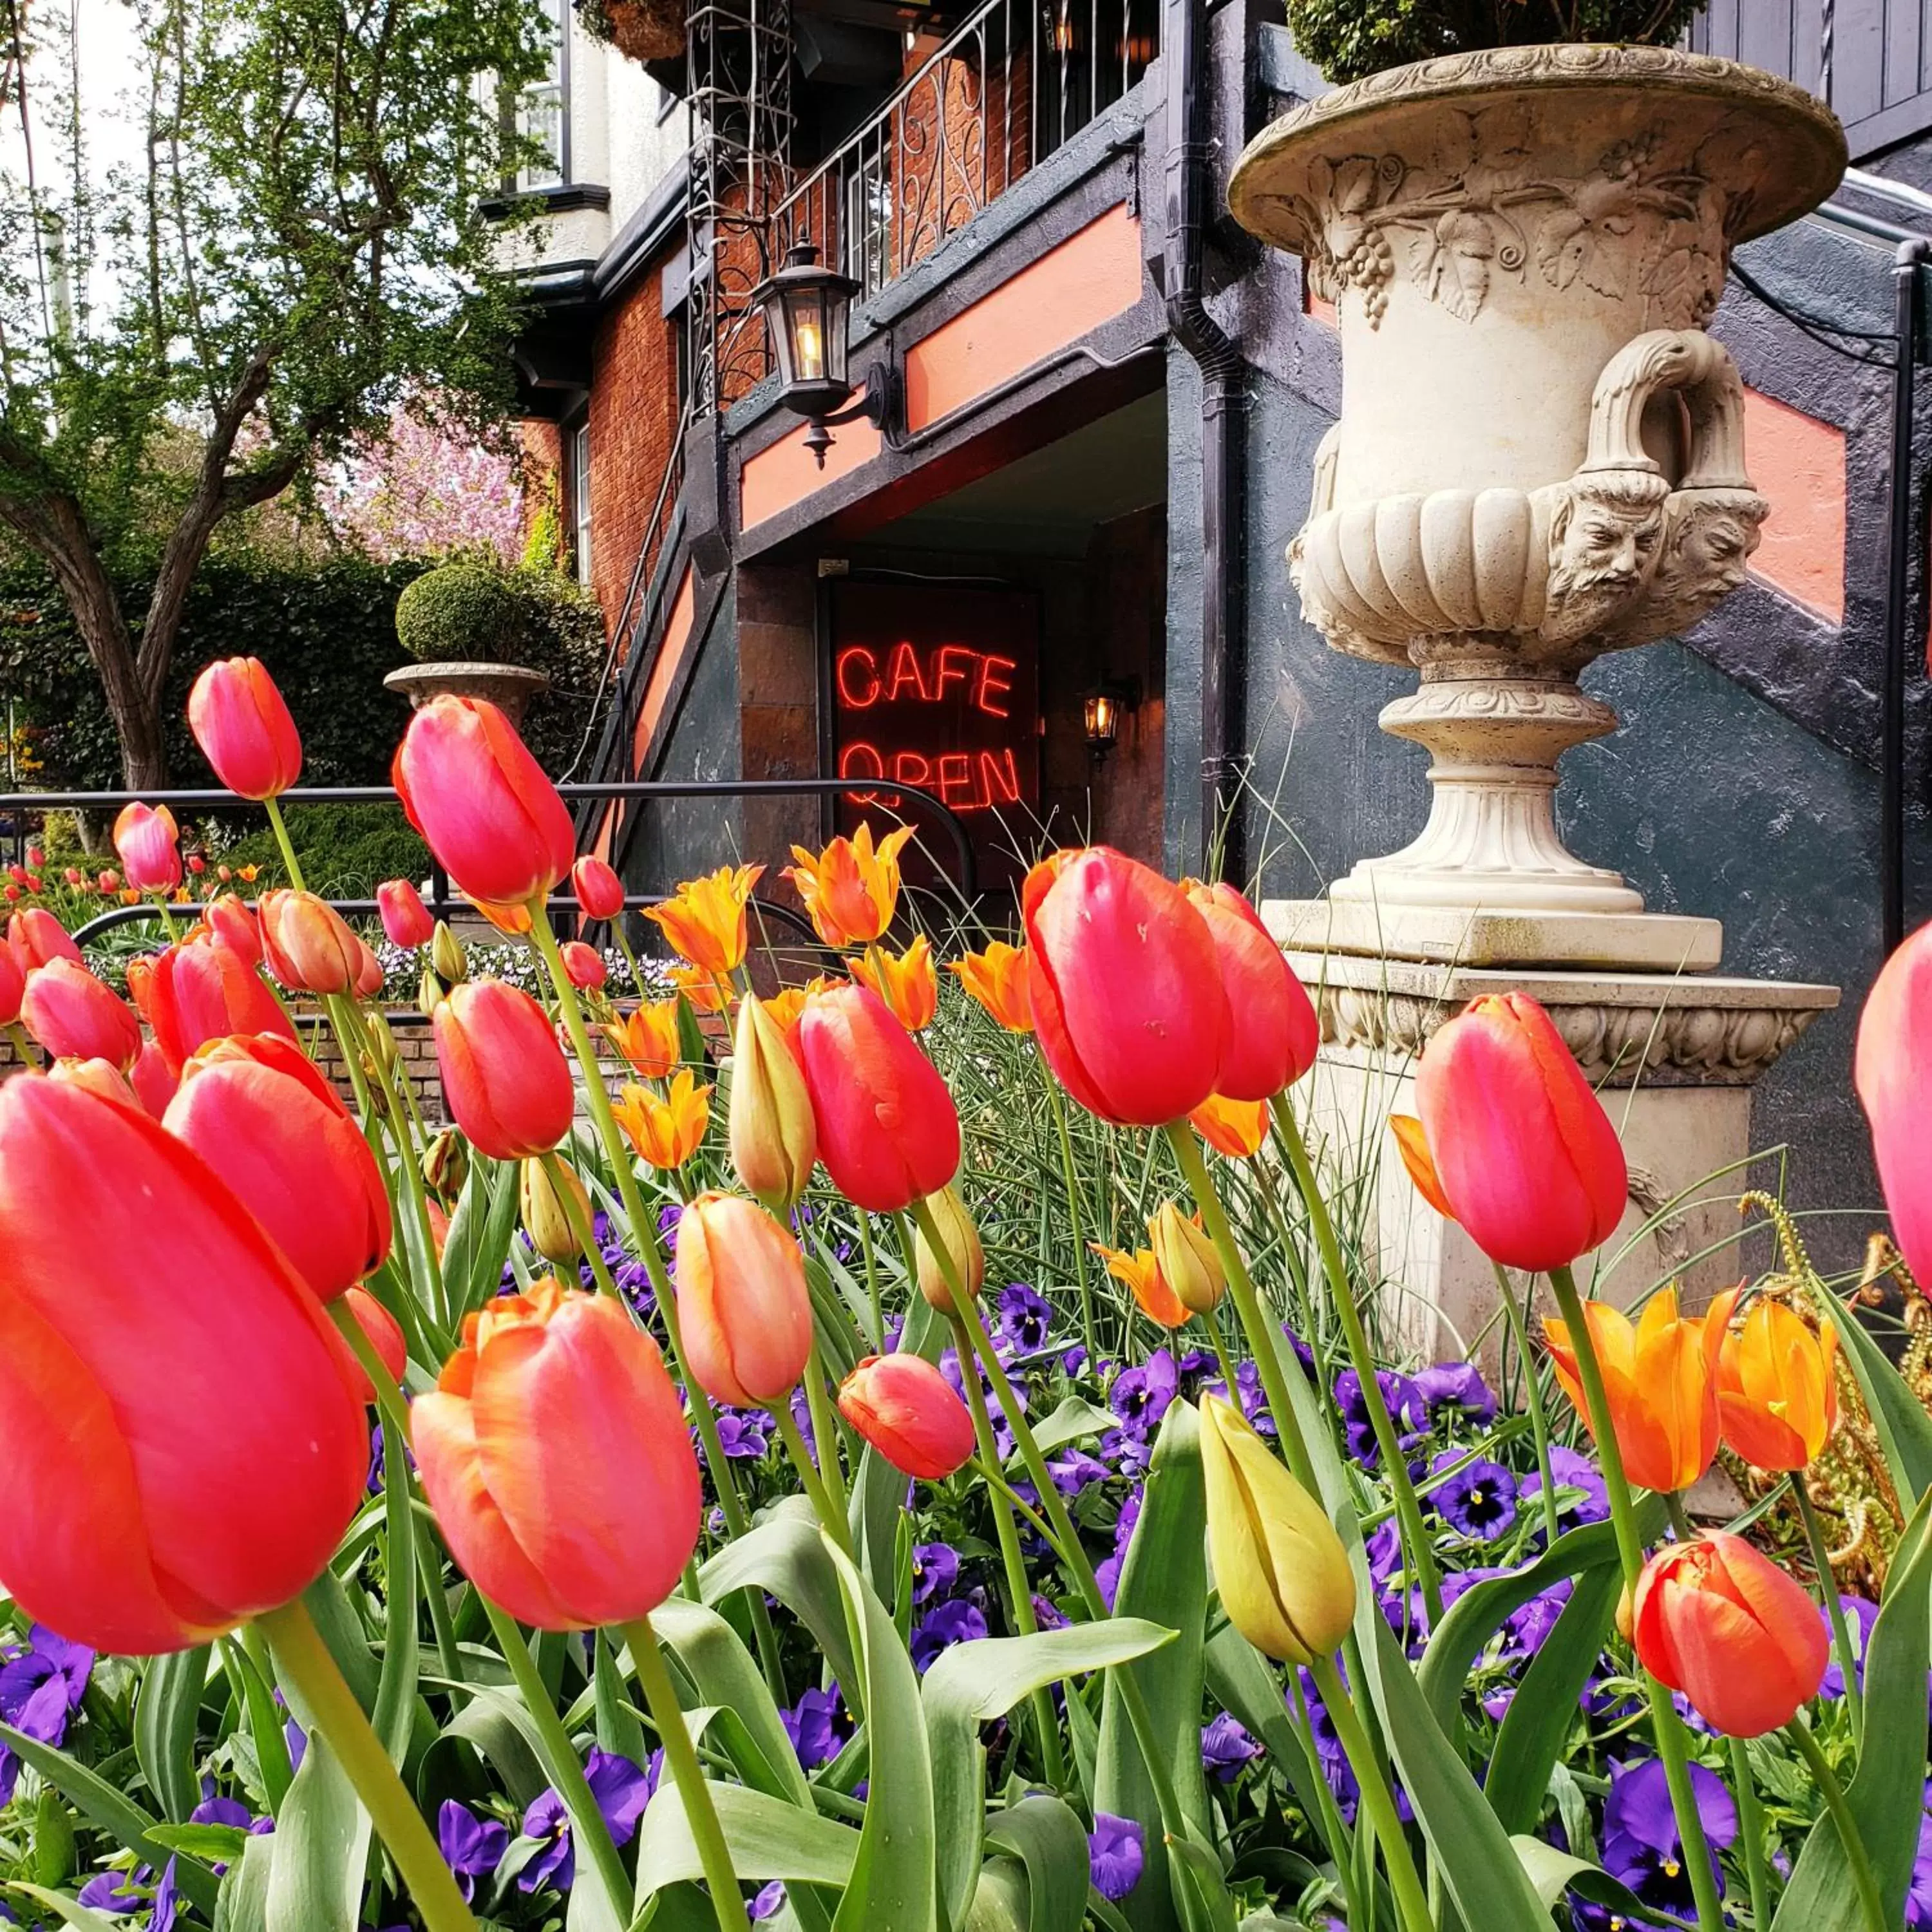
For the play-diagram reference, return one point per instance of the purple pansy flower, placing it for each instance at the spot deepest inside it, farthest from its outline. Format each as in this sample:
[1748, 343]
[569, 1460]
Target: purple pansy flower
[741, 1432]
[767, 1900]
[1115, 1855]
[1457, 1387]
[1478, 1500]
[1571, 1472]
[1225, 1746]
[40, 1690]
[1399, 1395]
[622, 1788]
[1024, 1316]
[1073, 1469]
[555, 1863]
[812, 1725]
[1140, 1397]
[1919, 1896]
[935, 1569]
[1860, 1615]
[957, 1621]
[1641, 1846]
[471, 1847]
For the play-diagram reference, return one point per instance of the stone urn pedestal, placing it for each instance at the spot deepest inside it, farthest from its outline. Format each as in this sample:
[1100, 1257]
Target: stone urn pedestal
[509, 687]
[1540, 458]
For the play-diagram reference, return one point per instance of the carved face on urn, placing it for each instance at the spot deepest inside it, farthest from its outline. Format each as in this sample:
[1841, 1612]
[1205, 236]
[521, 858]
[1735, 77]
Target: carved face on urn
[1605, 532]
[1709, 537]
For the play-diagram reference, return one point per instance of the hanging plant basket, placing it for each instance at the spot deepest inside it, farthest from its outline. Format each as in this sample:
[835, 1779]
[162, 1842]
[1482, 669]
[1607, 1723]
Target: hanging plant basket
[640, 30]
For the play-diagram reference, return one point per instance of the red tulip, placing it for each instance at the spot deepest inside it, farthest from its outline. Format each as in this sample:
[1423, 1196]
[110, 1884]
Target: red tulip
[145, 838]
[1523, 1152]
[599, 891]
[229, 920]
[308, 945]
[1744, 1641]
[888, 1130]
[504, 1076]
[35, 937]
[742, 1305]
[1892, 1070]
[1125, 980]
[75, 1017]
[908, 1412]
[244, 729]
[554, 1452]
[1273, 1035]
[154, 1081]
[203, 990]
[274, 1130]
[383, 1332]
[583, 965]
[406, 919]
[470, 787]
[13, 986]
[183, 1451]
[37, 856]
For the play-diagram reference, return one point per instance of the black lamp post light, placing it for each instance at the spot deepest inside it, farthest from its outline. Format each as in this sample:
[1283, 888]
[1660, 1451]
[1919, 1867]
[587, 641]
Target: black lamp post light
[808, 309]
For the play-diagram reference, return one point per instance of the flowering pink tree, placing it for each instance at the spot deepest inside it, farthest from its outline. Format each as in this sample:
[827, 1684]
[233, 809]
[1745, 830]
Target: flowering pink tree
[423, 490]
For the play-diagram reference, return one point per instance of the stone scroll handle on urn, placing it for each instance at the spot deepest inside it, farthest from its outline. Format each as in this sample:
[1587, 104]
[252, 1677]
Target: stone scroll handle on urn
[1616, 554]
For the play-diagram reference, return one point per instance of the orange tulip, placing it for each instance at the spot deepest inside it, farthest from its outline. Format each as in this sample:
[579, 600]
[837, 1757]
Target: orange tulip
[1659, 1379]
[242, 724]
[184, 1450]
[34, 937]
[1522, 1148]
[599, 891]
[1412, 1143]
[406, 919]
[201, 990]
[554, 1452]
[666, 1133]
[851, 888]
[888, 1130]
[705, 920]
[1139, 1274]
[264, 1118]
[75, 1017]
[1892, 1070]
[504, 1076]
[147, 842]
[307, 943]
[742, 1305]
[788, 1002]
[1126, 985]
[996, 978]
[647, 1038]
[908, 983]
[1274, 1034]
[1778, 1390]
[1235, 1128]
[229, 919]
[699, 987]
[482, 803]
[909, 1413]
[1724, 1625]
[583, 965]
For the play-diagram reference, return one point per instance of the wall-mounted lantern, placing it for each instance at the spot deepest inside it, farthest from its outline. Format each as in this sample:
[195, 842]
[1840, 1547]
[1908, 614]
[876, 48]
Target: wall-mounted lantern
[808, 311]
[1102, 709]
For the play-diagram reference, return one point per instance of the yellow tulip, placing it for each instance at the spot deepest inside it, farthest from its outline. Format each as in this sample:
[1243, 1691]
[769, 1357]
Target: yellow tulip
[665, 1132]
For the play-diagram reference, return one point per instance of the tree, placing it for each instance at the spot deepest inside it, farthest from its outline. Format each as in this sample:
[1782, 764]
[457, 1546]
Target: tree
[300, 245]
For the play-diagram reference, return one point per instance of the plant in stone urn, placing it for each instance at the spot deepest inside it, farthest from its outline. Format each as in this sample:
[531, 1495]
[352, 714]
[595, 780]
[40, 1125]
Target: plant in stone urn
[1540, 456]
[468, 629]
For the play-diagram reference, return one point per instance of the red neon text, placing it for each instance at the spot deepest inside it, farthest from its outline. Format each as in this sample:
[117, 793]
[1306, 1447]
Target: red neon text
[967, 781]
[981, 678]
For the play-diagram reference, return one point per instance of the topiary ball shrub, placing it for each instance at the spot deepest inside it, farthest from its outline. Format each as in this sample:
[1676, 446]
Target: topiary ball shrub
[464, 612]
[1347, 39]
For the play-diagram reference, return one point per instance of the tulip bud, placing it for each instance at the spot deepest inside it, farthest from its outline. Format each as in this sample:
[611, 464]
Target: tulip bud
[406, 919]
[146, 839]
[154, 1081]
[599, 891]
[381, 1041]
[242, 724]
[507, 1084]
[1275, 1035]
[1778, 1390]
[583, 965]
[308, 946]
[429, 993]
[384, 1334]
[1282, 1571]
[446, 955]
[546, 1219]
[743, 1304]
[909, 1413]
[774, 1138]
[445, 1166]
[1187, 1260]
[962, 1246]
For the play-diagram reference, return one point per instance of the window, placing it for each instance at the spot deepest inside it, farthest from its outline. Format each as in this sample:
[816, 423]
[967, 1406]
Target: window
[543, 114]
[577, 466]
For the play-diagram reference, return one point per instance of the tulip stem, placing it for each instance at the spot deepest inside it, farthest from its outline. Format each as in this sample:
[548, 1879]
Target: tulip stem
[727, 1901]
[22, 1045]
[1835, 1608]
[1863, 1877]
[581, 1225]
[406, 1148]
[1532, 1390]
[303, 1659]
[1068, 1175]
[799, 1450]
[1214, 1328]
[1666, 1727]
[566, 1773]
[825, 1435]
[1751, 1831]
[279, 826]
[1418, 1549]
[866, 1248]
[1411, 1902]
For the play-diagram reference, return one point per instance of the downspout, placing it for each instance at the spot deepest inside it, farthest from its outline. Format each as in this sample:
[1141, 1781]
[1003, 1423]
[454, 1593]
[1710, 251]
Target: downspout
[1223, 425]
[1911, 257]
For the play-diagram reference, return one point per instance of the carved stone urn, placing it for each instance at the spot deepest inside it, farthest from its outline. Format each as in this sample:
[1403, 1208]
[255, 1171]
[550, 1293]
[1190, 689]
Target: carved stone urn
[1540, 455]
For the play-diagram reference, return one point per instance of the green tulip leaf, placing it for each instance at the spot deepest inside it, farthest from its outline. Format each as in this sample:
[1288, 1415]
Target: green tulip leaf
[1163, 1580]
[1554, 1873]
[787, 1555]
[1904, 1428]
[395, 1714]
[768, 1838]
[1074, 1420]
[619, 1729]
[971, 1684]
[1886, 1794]
[322, 1849]
[498, 1727]
[166, 1710]
[721, 1671]
[1001, 1902]
[68, 1911]
[243, 1905]
[1044, 1834]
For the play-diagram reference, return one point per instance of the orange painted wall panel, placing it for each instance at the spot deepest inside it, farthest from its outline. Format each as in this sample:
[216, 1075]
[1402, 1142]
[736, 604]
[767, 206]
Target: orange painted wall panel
[664, 673]
[1798, 463]
[783, 473]
[1091, 277]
